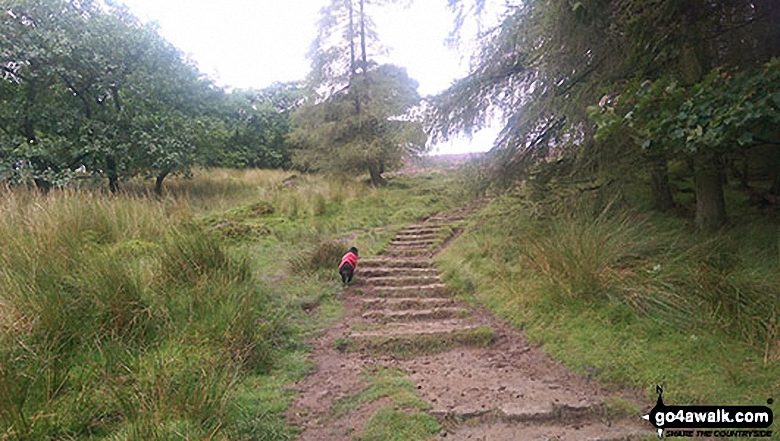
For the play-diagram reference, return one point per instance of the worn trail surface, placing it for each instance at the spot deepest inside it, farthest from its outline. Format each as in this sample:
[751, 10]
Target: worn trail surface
[483, 380]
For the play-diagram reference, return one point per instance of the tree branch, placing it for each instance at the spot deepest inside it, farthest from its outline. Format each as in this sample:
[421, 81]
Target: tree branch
[765, 141]
[79, 94]
[580, 78]
[76, 161]
[12, 72]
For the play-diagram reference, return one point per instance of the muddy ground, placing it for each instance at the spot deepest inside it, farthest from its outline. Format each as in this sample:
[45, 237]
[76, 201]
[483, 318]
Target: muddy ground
[483, 380]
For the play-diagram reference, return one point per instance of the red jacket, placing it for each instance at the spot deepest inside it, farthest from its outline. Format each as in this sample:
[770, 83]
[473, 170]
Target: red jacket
[350, 258]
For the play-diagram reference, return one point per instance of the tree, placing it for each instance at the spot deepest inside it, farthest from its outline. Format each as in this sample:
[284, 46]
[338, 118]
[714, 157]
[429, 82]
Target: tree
[726, 110]
[247, 128]
[548, 61]
[358, 116]
[85, 85]
[41, 133]
[86, 63]
[261, 121]
[336, 139]
[701, 36]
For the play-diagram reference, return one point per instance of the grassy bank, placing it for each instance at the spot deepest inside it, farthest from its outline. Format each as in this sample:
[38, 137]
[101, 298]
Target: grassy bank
[633, 298]
[181, 317]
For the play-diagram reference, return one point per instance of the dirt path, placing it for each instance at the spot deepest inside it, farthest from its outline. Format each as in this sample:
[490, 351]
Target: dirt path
[482, 379]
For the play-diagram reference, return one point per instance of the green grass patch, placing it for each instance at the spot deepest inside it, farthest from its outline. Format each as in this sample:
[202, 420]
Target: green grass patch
[407, 347]
[403, 419]
[392, 425]
[382, 383]
[257, 404]
[615, 408]
[637, 299]
[182, 316]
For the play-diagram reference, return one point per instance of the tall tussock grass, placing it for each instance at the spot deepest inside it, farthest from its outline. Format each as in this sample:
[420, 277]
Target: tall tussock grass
[123, 318]
[173, 316]
[621, 290]
[662, 270]
[323, 255]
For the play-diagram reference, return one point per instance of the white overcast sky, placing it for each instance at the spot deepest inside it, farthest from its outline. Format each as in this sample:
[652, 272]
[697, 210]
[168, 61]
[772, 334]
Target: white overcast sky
[254, 43]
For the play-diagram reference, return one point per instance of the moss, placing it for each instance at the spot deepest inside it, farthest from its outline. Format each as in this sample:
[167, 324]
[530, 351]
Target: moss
[410, 346]
[388, 424]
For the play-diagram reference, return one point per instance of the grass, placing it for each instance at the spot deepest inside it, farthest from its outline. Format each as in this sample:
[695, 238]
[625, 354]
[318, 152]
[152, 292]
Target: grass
[382, 382]
[403, 419]
[638, 299]
[122, 318]
[393, 425]
[407, 347]
[181, 316]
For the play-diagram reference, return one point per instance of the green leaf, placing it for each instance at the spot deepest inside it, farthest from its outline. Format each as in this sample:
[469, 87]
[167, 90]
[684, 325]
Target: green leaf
[745, 139]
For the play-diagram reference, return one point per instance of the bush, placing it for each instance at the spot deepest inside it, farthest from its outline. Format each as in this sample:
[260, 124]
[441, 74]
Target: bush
[325, 254]
[199, 256]
[121, 317]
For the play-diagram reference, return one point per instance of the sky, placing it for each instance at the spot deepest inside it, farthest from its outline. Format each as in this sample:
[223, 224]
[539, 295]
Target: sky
[254, 43]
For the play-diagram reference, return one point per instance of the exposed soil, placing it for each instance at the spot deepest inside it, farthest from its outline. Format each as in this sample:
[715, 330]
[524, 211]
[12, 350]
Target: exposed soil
[482, 378]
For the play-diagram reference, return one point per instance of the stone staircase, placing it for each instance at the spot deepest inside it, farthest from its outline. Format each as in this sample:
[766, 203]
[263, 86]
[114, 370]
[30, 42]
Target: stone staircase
[483, 379]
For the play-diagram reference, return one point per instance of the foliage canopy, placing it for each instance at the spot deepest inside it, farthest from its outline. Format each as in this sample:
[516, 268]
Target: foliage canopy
[546, 63]
[359, 116]
[89, 90]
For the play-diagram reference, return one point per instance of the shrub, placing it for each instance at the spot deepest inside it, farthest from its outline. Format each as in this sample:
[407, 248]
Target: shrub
[325, 254]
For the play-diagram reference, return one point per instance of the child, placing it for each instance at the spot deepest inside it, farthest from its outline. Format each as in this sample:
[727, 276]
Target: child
[347, 265]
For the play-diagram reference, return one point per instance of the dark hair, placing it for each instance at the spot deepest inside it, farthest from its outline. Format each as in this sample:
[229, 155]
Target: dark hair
[353, 250]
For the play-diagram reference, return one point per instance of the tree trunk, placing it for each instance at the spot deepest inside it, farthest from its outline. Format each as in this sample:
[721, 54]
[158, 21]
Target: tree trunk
[710, 205]
[744, 176]
[376, 176]
[661, 192]
[28, 125]
[158, 182]
[775, 173]
[113, 176]
[352, 59]
[42, 185]
[363, 37]
[352, 63]
[117, 98]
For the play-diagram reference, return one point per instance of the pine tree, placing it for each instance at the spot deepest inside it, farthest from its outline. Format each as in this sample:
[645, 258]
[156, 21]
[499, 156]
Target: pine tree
[359, 115]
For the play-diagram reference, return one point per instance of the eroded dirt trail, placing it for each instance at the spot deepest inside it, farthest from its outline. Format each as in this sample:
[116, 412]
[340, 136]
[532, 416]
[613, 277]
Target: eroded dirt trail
[483, 379]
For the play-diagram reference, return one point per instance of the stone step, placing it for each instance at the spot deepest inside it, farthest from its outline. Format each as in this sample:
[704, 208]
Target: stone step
[392, 249]
[407, 303]
[389, 271]
[414, 239]
[408, 339]
[448, 217]
[400, 280]
[444, 220]
[411, 242]
[418, 231]
[482, 386]
[426, 244]
[416, 235]
[386, 316]
[590, 431]
[530, 411]
[397, 262]
[402, 252]
[432, 290]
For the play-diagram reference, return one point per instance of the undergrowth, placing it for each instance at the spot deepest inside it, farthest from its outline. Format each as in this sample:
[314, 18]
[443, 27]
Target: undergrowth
[637, 298]
[402, 419]
[182, 316]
